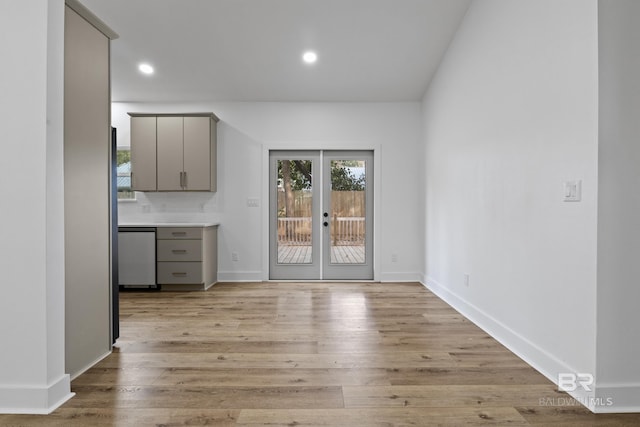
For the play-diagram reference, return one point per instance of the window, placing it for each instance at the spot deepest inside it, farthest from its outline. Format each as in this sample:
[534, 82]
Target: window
[124, 174]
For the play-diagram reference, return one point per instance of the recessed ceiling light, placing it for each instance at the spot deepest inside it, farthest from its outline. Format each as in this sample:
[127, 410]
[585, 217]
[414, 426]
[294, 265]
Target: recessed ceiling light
[145, 68]
[310, 57]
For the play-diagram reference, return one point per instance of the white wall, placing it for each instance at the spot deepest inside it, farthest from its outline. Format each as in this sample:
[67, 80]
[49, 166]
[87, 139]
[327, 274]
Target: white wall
[32, 378]
[55, 203]
[510, 115]
[246, 130]
[618, 371]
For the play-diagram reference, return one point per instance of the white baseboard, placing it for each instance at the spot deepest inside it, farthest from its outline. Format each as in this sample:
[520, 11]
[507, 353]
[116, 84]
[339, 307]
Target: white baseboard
[400, 277]
[239, 276]
[617, 398]
[256, 276]
[33, 399]
[541, 360]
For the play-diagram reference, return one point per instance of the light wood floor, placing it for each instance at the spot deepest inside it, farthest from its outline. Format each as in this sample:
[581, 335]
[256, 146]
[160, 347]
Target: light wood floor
[309, 354]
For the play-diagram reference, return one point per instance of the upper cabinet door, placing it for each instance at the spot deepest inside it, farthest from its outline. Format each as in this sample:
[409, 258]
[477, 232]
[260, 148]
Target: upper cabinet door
[197, 153]
[170, 153]
[173, 152]
[143, 153]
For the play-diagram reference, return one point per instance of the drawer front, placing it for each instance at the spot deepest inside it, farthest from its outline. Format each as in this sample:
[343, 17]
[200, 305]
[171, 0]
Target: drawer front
[179, 250]
[179, 233]
[179, 272]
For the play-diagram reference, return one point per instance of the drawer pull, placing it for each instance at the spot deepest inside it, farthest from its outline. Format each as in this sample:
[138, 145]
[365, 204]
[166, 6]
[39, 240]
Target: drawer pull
[179, 251]
[179, 274]
[178, 233]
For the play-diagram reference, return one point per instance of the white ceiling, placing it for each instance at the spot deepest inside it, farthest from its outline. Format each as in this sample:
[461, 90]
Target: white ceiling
[250, 50]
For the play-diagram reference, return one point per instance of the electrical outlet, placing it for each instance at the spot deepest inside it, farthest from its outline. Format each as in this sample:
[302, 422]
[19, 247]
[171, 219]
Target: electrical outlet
[394, 257]
[466, 280]
[235, 256]
[253, 203]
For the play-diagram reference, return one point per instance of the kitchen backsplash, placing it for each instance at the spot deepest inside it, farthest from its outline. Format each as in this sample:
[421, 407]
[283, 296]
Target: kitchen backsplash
[170, 207]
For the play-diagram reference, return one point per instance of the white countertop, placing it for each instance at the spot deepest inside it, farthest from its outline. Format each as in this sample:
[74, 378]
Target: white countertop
[168, 224]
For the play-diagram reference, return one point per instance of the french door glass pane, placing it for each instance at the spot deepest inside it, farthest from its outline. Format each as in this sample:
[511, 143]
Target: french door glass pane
[348, 183]
[295, 198]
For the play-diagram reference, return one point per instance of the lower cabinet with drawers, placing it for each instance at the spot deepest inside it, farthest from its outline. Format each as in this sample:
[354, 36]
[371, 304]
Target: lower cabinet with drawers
[187, 257]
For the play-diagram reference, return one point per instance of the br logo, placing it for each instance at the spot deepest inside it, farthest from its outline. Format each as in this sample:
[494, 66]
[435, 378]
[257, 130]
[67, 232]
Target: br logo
[571, 382]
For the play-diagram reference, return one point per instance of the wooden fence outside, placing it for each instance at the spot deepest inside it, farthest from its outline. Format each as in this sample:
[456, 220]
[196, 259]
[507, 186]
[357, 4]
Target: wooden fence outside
[347, 222]
[343, 203]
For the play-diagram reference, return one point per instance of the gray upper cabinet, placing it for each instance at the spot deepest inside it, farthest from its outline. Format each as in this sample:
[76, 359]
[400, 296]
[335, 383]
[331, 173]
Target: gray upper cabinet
[173, 152]
[198, 155]
[170, 149]
[143, 153]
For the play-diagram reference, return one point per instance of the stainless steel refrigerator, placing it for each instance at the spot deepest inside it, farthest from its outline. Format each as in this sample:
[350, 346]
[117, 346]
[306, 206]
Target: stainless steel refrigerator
[115, 289]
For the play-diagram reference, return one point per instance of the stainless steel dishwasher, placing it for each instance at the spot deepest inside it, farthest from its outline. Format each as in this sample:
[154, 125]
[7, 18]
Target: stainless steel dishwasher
[137, 257]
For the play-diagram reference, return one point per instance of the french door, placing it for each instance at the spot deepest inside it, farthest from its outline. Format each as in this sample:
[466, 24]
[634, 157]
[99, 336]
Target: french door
[321, 215]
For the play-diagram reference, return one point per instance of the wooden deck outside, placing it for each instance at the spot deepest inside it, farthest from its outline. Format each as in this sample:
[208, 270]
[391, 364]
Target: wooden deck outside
[301, 254]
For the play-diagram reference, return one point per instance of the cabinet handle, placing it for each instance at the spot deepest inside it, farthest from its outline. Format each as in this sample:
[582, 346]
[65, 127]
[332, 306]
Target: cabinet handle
[178, 233]
[179, 274]
[184, 185]
[181, 180]
[132, 184]
[179, 251]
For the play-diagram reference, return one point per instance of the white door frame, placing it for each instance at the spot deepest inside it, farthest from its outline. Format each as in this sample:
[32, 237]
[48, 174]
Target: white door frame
[377, 181]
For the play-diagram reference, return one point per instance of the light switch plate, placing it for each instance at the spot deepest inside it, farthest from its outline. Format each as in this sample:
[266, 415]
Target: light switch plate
[572, 191]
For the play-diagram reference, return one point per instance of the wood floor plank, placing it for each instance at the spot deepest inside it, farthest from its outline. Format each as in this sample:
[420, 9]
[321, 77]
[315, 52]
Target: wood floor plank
[278, 361]
[381, 417]
[211, 397]
[119, 376]
[309, 354]
[221, 346]
[246, 334]
[566, 413]
[259, 377]
[438, 396]
[455, 375]
[75, 417]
